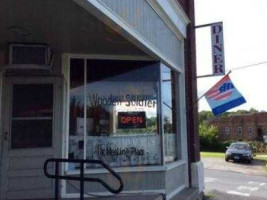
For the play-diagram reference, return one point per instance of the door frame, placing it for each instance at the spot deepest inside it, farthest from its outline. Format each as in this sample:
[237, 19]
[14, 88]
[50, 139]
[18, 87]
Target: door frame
[6, 113]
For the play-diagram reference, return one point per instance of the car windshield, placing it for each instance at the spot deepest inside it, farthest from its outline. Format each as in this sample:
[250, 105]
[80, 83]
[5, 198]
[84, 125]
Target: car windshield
[239, 146]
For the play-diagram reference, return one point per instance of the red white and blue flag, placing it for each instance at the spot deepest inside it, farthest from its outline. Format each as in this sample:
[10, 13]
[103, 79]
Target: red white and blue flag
[224, 96]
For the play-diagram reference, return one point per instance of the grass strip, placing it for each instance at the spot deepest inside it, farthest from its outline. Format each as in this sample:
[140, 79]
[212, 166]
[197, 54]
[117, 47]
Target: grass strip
[262, 157]
[212, 155]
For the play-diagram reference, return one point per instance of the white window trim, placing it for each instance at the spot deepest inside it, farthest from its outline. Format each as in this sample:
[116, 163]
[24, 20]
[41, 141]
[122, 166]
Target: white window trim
[85, 58]
[66, 73]
[157, 168]
[65, 145]
[183, 126]
[161, 125]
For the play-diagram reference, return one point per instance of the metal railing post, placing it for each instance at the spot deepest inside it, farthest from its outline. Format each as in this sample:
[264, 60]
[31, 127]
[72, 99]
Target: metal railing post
[82, 181]
[80, 178]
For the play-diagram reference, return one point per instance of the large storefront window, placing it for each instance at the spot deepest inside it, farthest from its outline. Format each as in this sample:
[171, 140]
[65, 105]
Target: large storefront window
[114, 109]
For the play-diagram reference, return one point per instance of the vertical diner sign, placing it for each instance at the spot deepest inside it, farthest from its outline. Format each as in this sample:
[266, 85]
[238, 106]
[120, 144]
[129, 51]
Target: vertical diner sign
[218, 65]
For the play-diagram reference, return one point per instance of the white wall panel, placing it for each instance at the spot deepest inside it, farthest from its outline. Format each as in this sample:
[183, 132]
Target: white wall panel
[139, 15]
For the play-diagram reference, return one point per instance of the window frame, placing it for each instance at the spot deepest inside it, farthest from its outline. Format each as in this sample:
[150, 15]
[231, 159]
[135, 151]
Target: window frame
[46, 118]
[56, 82]
[176, 92]
[250, 132]
[180, 93]
[227, 130]
[239, 131]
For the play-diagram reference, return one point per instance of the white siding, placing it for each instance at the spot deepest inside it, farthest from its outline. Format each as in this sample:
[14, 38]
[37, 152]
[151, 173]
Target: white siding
[139, 15]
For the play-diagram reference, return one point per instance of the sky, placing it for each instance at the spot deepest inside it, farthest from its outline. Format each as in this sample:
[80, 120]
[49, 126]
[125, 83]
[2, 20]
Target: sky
[245, 43]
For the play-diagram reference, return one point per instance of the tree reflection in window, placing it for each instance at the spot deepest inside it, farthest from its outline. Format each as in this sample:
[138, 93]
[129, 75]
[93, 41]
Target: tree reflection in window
[169, 114]
[108, 88]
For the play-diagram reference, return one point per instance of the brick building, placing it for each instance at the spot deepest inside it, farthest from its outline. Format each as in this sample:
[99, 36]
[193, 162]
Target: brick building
[242, 127]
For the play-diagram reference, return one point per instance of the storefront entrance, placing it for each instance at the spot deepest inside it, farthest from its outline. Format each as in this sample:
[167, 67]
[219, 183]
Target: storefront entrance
[29, 110]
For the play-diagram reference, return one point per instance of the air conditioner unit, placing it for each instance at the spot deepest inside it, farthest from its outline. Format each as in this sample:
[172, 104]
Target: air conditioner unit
[29, 57]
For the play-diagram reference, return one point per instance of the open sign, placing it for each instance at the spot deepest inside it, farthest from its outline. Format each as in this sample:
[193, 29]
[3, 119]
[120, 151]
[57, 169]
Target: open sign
[131, 120]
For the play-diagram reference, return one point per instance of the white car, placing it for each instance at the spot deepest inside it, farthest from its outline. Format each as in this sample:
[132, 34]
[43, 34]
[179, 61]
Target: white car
[239, 151]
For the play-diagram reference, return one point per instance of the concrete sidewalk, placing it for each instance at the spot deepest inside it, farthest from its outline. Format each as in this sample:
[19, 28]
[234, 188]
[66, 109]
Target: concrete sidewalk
[216, 195]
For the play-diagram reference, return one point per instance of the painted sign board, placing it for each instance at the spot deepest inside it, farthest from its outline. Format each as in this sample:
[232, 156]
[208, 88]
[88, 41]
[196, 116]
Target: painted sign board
[131, 120]
[218, 62]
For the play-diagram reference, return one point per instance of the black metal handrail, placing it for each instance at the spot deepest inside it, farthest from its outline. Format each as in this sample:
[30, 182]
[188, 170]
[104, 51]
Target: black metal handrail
[81, 178]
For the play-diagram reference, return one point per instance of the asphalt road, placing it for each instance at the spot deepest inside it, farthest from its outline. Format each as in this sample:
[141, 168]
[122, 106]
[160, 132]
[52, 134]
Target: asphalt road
[255, 168]
[236, 184]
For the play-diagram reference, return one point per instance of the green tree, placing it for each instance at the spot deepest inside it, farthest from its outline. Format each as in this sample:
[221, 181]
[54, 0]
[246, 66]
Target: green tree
[240, 112]
[208, 135]
[204, 116]
[253, 110]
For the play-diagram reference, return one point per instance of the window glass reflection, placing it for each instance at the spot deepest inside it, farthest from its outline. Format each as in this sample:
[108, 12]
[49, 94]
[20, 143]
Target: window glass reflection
[169, 114]
[32, 116]
[32, 100]
[76, 111]
[121, 112]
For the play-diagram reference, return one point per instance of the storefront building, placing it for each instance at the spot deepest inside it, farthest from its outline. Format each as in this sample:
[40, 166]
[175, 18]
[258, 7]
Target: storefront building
[97, 79]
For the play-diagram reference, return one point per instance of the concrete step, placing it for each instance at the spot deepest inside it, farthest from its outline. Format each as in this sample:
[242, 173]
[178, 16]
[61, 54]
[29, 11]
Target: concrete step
[188, 194]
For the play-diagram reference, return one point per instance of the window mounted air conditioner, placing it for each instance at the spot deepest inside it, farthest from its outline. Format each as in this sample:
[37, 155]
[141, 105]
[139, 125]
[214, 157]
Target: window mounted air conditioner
[29, 57]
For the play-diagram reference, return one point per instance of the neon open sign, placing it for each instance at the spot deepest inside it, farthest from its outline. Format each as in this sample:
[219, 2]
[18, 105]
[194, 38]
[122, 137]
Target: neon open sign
[131, 120]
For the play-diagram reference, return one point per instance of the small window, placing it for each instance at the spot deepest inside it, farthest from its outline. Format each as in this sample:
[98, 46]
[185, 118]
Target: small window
[226, 130]
[239, 131]
[250, 132]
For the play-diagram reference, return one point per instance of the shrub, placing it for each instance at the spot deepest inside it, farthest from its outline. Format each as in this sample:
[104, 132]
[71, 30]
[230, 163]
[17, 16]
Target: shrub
[257, 146]
[208, 135]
